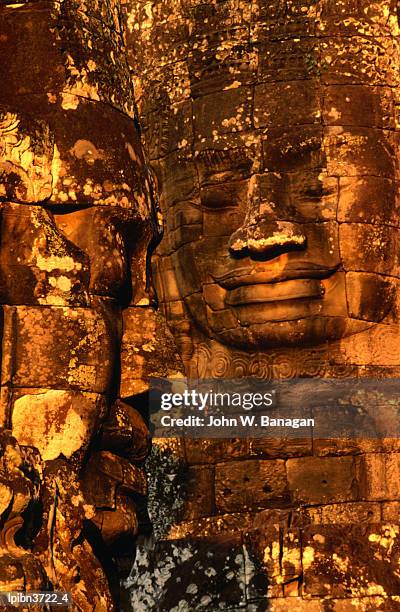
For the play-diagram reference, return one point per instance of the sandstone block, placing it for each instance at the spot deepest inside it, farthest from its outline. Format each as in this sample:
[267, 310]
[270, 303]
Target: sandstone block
[38, 265]
[322, 479]
[251, 484]
[213, 450]
[377, 249]
[59, 347]
[147, 350]
[200, 493]
[280, 448]
[379, 476]
[368, 199]
[345, 513]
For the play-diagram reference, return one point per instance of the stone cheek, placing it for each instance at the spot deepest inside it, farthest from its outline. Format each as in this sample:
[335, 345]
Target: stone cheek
[38, 266]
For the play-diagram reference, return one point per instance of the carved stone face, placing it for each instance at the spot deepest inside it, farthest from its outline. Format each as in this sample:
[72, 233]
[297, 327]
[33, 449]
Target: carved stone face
[277, 164]
[294, 238]
[76, 223]
[71, 258]
[76, 218]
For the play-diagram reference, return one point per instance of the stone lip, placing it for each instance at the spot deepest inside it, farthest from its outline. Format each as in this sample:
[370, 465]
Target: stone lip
[276, 292]
[291, 271]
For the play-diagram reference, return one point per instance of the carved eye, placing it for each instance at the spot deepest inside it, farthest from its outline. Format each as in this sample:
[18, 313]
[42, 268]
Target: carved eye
[314, 192]
[218, 197]
[319, 190]
[215, 203]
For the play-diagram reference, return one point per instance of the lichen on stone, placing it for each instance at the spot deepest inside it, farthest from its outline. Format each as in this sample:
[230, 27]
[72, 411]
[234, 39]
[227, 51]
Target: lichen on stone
[167, 477]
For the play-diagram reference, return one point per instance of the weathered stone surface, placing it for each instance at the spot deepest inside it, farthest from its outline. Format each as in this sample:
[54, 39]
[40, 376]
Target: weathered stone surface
[125, 432]
[60, 347]
[78, 218]
[279, 552]
[242, 485]
[280, 448]
[322, 479]
[302, 104]
[118, 524]
[346, 513]
[363, 288]
[376, 202]
[105, 476]
[72, 160]
[377, 244]
[296, 604]
[378, 476]
[64, 421]
[192, 573]
[147, 350]
[342, 104]
[200, 492]
[211, 526]
[360, 562]
[64, 47]
[390, 511]
[38, 265]
[47, 112]
[356, 446]
[214, 450]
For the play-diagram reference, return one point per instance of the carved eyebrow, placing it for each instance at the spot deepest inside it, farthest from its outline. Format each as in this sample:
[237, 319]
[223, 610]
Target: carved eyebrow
[218, 159]
[292, 147]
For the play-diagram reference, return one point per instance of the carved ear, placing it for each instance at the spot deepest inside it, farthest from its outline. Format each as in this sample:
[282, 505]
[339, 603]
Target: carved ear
[26, 157]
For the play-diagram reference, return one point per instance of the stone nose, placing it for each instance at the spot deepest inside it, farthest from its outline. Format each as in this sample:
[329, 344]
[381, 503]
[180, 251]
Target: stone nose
[267, 237]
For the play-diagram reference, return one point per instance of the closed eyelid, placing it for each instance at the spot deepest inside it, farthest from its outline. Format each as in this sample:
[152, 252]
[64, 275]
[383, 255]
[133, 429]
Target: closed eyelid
[218, 202]
[226, 195]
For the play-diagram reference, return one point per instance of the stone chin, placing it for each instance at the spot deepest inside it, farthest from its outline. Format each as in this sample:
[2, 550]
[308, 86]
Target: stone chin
[271, 334]
[313, 331]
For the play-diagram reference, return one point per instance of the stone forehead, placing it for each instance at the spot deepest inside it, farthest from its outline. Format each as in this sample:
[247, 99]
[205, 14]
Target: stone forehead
[90, 158]
[67, 134]
[184, 41]
[219, 75]
[206, 16]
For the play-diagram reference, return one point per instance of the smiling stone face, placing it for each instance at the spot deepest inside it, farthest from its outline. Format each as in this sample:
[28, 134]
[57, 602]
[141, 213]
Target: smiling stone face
[272, 128]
